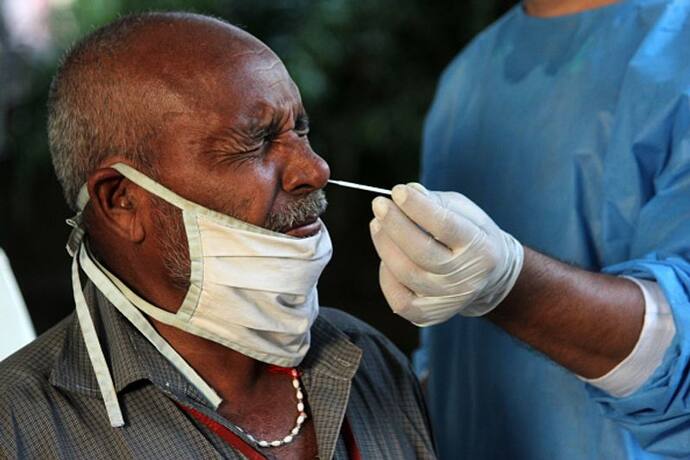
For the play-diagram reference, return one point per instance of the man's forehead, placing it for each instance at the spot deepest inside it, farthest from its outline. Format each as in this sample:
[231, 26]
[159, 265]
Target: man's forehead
[224, 69]
[214, 72]
[252, 95]
[255, 83]
[249, 101]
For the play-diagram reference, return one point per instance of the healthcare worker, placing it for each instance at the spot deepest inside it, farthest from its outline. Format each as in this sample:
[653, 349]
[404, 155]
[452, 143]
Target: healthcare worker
[565, 126]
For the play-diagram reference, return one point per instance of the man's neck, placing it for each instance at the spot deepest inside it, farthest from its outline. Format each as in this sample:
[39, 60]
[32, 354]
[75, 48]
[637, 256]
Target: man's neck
[262, 403]
[225, 370]
[552, 8]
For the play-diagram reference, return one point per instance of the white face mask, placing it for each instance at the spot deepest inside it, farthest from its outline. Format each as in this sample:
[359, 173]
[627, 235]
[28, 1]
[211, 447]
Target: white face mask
[251, 289]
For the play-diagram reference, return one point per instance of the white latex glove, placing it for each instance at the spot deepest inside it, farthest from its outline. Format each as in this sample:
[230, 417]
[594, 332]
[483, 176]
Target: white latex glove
[441, 255]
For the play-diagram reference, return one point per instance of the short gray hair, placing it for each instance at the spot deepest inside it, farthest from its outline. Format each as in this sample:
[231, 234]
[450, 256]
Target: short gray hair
[94, 111]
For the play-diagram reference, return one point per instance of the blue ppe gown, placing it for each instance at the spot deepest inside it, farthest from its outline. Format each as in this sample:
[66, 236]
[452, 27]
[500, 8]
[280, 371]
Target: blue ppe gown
[573, 133]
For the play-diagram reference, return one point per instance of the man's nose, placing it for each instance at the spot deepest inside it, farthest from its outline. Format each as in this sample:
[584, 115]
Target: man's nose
[305, 171]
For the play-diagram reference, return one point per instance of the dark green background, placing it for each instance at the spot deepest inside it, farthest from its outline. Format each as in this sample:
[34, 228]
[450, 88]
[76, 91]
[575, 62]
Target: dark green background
[367, 71]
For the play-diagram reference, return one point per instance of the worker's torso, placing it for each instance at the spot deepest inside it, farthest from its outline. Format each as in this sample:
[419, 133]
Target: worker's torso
[557, 128]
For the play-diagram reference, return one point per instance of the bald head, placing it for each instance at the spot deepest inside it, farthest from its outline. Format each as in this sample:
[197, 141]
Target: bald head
[117, 88]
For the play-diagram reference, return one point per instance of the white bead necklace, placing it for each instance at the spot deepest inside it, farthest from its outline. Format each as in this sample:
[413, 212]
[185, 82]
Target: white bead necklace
[301, 417]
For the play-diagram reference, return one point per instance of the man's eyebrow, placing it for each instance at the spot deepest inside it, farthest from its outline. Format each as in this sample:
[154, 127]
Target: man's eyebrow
[254, 130]
[276, 125]
[222, 140]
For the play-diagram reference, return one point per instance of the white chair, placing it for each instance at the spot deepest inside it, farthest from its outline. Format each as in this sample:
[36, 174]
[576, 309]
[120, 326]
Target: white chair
[16, 329]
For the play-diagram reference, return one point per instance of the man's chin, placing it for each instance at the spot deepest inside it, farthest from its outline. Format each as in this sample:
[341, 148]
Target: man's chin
[306, 230]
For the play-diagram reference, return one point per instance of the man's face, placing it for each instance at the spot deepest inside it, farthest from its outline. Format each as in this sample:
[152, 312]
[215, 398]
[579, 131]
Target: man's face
[243, 148]
[236, 143]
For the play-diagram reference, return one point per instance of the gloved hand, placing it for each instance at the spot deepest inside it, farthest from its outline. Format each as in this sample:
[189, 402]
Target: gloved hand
[441, 255]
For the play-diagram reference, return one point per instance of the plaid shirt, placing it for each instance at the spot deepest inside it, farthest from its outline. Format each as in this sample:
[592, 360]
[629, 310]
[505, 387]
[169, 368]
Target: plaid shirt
[50, 405]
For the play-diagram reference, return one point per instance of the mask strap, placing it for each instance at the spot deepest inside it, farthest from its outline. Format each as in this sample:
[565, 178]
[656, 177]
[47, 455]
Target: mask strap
[88, 330]
[179, 202]
[76, 236]
[176, 200]
[93, 348]
[139, 321]
[82, 198]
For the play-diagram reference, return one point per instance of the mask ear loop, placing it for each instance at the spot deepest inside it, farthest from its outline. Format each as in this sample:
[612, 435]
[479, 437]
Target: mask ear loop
[88, 330]
[93, 348]
[109, 288]
[77, 250]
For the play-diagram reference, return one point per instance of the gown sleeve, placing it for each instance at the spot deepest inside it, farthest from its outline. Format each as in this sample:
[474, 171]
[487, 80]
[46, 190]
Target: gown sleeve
[658, 413]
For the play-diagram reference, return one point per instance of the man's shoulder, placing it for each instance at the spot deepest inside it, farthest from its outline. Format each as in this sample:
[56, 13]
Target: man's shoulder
[28, 370]
[384, 383]
[347, 323]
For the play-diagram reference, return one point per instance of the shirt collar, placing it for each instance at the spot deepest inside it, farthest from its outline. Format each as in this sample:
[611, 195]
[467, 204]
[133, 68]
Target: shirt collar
[130, 357]
[331, 352]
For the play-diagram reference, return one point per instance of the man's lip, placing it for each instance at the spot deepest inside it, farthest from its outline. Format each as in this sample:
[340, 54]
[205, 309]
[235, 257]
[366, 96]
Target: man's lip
[305, 230]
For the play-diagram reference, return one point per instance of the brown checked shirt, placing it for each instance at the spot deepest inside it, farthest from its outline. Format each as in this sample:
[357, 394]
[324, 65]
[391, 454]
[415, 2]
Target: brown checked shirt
[51, 408]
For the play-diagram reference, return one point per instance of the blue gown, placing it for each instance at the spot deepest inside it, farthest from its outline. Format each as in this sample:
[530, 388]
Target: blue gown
[573, 133]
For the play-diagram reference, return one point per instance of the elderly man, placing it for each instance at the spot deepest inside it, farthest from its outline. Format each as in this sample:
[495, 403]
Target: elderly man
[182, 143]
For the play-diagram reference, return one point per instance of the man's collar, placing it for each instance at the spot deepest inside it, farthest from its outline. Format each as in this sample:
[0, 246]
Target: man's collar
[130, 357]
[331, 352]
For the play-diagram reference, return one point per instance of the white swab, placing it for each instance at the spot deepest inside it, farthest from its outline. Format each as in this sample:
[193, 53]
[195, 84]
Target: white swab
[368, 188]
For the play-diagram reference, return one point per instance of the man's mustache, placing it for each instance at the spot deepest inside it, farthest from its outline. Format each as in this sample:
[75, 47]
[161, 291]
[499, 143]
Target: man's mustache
[297, 213]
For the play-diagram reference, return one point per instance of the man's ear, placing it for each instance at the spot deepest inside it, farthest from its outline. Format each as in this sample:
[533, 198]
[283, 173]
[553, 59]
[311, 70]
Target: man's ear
[117, 204]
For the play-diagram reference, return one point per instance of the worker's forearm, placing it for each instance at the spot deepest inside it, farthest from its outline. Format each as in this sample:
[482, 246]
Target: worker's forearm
[587, 322]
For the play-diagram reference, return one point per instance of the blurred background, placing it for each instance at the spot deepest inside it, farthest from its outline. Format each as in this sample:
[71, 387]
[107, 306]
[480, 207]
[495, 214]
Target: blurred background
[367, 71]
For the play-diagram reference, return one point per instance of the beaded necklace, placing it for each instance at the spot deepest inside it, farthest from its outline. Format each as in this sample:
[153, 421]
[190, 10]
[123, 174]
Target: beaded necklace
[301, 414]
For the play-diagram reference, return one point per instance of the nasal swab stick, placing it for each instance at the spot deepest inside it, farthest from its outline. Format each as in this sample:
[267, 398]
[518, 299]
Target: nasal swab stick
[368, 188]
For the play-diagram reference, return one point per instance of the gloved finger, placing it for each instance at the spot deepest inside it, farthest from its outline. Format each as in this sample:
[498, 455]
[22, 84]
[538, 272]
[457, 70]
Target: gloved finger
[420, 311]
[405, 270]
[434, 310]
[456, 202]
[399, 298]
[425, 251]
[460, 204]
[450, 228]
